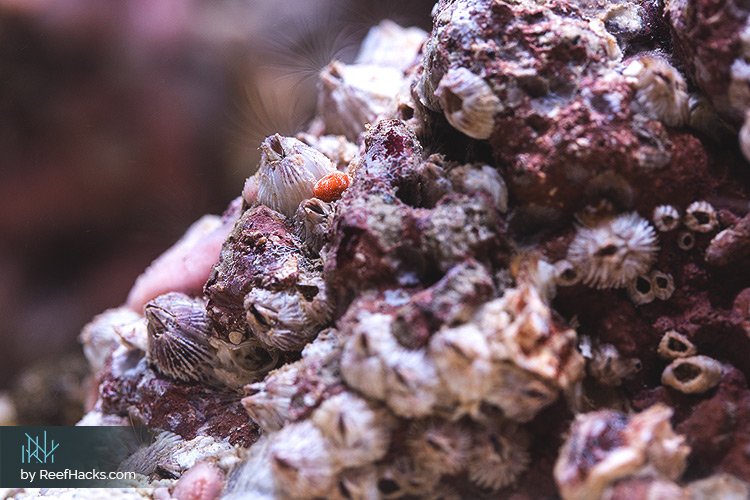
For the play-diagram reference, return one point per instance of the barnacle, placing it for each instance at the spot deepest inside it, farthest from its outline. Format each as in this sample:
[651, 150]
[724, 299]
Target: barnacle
[405, 476]
[608, 367]
[662, 284]
[288, 319]
[674, 345]
[469, 103]
[301, 461]
[311, 222]
[440, 445]
[499, 454]
[615, 251]
[661, 89]
[641, 290]
[692, 374]
[178, 337]
[358, 430]
[685, 240]
[666, 217]
[360, 483]
[720, 486]
[701, 217]
[606, 446]
[331, 187]
[413, 383]
[481, 178]
[566, 273]
[286, 175]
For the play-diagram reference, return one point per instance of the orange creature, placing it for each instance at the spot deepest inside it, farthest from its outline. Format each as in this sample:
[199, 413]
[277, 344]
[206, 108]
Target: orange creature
[331, 186]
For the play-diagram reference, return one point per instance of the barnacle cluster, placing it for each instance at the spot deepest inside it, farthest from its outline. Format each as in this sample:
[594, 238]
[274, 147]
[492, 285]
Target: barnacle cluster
[492, 250]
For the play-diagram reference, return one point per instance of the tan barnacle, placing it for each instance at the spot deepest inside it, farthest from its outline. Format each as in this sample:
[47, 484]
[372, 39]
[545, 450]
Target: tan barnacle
[608, 367]
[666, 218]
[358, 430]
[674, 345]
[701, 217]
[236, 366]
[566, 273]
[641, 290]
[615, 251]
[605, 446]
[178, 337]
[301, 461]
[693, 374]
[268, 402]
[469, 103]
[482, 178]
[685, 240]
[360, 483]
[662, 284]
[412, 383]
[499, 454]
[440, 445]
[363, 358]
[661, 90]
[462, 357]
[311, 222]
[287, 173]
[404, 477]
[288, 319]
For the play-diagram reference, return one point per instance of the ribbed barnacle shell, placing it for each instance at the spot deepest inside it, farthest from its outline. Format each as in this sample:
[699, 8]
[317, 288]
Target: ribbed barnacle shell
[499, 454]
[311, 222]
[661, 90]
[412, 383]
[440, 445]
[468, 102]
[615, 251]
[693, 374]
[666, 218]
[403, 477]
[178, 337]
[358, 430]
[641, 290]
[662, 284]
[287, 174]
[288, 319]
[701, 217]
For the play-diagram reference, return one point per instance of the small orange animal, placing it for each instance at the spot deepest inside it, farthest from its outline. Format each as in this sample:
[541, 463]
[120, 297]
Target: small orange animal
[330, 187]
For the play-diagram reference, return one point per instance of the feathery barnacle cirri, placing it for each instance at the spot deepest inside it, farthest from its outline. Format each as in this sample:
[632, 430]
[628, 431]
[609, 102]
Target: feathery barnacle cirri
[440, 445]
[499, 455]
[288, 171]
[666, 217]
[661, 90]
[701, 217]
[615, 251]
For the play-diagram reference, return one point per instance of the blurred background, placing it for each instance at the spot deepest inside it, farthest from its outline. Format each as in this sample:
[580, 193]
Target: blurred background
[121, 123]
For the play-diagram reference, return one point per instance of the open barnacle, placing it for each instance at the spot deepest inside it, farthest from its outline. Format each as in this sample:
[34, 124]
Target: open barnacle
[178, 337]
[701, 217]
[661, 90]
[287, 174]
[566, 273]
[311, 222]
[666, 218]
[693, 374]
[685, 240]
[662, 284]
[641, 290]
[440, 445]
[674, 345]
[615, 251]
[499, 454]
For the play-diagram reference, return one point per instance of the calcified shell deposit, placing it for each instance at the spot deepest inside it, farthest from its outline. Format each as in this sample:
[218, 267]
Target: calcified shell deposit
[533, 283]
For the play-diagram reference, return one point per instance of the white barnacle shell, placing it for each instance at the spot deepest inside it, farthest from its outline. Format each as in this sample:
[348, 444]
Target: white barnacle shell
[693, 374]
[412, 383]
[469, 103]
[358, 430]
[701, 217]
[666, 217]
[288, 319]
[363, 364]
[440, 445]
[674, 345]
[605, 446]
[311, 222]
[641, 290]
[268, 402]
[301, 461]
[499, 454]
[661, 90]
[615, 251]
[288, 170]
[662, 284]
[462, 357]
[566, 273]
[178, 337]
